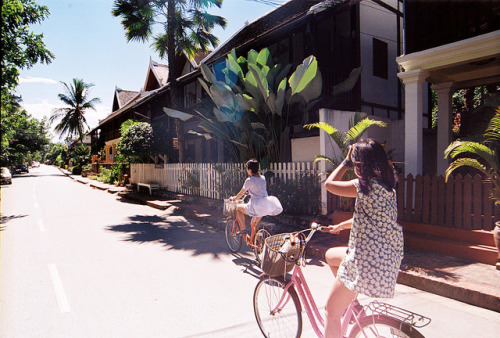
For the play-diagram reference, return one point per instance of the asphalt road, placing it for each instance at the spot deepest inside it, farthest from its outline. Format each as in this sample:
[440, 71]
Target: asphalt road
[80, 262]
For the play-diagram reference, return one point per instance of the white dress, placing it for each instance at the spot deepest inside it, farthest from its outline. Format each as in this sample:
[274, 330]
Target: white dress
[260, 203]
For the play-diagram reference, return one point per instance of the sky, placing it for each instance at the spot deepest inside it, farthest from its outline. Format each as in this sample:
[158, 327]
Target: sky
[89, 43]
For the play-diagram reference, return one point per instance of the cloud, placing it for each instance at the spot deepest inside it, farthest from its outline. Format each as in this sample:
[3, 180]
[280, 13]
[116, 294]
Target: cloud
[30, 79]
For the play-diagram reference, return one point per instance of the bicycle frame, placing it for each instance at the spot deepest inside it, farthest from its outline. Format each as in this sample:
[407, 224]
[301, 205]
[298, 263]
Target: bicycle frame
[307, 300]
[317, 321]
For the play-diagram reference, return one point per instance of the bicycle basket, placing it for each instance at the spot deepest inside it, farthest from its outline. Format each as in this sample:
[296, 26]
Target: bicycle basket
[278, 256]
[229, 208]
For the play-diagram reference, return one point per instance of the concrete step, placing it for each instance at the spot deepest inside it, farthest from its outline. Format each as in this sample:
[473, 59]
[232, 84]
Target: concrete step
[474, 245]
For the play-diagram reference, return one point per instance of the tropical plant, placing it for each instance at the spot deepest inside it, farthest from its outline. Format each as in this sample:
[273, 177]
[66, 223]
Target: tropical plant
[73, 121]
[249, 102]
[357, 127]
[79, 156]
[482, 156]
[186, 30]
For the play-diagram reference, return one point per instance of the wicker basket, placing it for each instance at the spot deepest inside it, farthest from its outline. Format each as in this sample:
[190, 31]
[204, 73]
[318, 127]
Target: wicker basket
[278, 258]
[229, 208]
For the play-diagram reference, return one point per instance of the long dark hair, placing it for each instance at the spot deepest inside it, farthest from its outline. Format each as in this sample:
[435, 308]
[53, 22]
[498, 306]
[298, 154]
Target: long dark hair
[371, 163]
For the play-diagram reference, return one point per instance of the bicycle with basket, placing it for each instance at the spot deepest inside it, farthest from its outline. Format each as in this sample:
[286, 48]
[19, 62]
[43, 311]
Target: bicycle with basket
[280, 297]
[235, 238]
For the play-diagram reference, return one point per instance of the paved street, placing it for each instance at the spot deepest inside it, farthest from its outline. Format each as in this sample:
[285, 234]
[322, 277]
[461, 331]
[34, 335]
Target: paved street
[80, 262]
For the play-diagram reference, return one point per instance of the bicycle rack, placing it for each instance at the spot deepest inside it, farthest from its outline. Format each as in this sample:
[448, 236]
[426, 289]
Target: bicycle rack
[398, 313]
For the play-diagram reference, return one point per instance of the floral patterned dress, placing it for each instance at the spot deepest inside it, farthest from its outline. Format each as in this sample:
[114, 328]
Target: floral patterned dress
[375, 248]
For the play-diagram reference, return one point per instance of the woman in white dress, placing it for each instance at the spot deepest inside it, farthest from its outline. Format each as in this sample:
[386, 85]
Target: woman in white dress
[260, 204]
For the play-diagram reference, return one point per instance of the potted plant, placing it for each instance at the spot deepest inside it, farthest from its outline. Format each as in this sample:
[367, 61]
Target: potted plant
[357, 127]
[483, 156]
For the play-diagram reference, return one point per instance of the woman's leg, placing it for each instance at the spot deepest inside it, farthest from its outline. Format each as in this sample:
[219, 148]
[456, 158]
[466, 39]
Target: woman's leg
[240, 215]
[337, 303]
[334, 257]
[254, 222]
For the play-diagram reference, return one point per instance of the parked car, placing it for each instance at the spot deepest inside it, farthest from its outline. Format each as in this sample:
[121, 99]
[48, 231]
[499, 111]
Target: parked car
[21, 168]
[35, 164]
[5, 176]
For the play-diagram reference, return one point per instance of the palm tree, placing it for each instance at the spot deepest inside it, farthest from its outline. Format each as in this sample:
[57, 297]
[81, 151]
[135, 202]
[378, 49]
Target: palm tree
[73, 121]
[483, 156]
[186, 28]
[357, 127]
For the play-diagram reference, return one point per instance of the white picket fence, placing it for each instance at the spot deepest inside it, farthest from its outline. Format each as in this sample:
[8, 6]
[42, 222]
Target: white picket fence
[172, 176]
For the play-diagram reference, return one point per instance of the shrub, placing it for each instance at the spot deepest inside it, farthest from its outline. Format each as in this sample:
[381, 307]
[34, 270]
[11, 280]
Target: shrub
[230, 181]
[191, 180]
[76, 170]
[301, 196]
[107, 176]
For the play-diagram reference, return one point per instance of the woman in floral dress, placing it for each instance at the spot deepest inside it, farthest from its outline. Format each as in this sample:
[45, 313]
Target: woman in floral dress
[370, 264]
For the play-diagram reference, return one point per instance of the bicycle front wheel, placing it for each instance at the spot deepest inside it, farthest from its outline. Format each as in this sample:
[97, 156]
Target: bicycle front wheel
[383, 326]
[277, 313]
[258, 241]
[233, 237]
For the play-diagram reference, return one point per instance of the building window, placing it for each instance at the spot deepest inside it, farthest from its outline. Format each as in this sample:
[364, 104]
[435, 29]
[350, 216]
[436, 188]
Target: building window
[380, 59]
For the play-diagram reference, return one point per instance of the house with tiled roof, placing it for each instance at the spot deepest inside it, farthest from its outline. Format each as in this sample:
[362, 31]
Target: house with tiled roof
[341, 34]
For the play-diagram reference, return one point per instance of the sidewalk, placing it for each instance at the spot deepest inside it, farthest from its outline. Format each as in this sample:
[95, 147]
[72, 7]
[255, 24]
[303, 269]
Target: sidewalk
[470, 282]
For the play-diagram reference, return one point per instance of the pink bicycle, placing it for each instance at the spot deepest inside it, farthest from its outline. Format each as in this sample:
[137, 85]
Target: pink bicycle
[278, 301]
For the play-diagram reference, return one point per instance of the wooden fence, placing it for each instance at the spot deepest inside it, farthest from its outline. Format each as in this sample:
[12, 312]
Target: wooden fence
[462, 202]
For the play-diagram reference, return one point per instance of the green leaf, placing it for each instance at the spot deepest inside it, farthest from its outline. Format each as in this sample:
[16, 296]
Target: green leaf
[205, 135]
[264, 58]
[348, 84]
[177, 114]
[207, 73]
[306, 77]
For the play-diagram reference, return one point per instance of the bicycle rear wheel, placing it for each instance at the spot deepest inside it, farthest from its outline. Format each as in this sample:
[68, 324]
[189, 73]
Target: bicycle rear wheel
[233, 237]
[278, 315]
[383, 326]
[258, 241]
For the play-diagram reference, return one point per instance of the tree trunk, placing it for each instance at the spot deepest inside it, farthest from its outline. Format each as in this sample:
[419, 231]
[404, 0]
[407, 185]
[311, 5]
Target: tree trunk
[173, 74]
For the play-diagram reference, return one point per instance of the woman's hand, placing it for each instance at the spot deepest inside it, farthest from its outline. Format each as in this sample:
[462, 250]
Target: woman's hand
[348, 159]
[334, 229]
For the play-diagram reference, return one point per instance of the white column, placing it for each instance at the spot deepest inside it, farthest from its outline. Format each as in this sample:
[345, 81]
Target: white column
[413, 81]
[444, 93]
[322, 164]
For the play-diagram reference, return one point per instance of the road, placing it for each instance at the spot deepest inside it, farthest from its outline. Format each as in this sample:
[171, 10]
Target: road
[80, 262]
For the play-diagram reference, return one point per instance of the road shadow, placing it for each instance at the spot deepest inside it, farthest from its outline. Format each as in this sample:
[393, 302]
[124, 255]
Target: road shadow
[248, 265]
[174, 233]
[5, 219]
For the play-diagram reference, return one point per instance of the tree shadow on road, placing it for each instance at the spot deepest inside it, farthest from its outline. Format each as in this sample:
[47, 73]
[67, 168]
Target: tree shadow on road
[175, 233]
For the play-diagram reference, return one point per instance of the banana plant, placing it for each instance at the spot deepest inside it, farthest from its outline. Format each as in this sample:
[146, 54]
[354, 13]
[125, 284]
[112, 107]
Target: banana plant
[250, 99]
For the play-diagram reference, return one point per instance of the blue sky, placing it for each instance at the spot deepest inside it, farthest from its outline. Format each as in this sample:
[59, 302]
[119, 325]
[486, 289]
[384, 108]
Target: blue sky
[89, 44]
